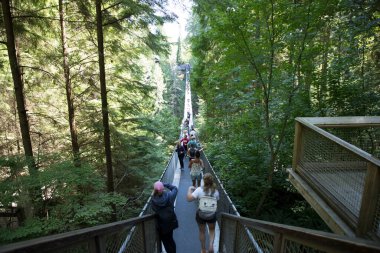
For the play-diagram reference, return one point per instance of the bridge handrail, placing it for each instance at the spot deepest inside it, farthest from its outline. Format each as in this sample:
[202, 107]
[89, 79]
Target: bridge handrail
[278, 238]
[166, 177]
[224, 204]
[97, 239]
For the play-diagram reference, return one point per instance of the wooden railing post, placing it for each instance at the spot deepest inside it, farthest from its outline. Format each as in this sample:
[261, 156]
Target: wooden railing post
[278, 245]
[144, 237]
[221, 236]
[369, 200]
[297, 149]
[97, 244]
[235, 247]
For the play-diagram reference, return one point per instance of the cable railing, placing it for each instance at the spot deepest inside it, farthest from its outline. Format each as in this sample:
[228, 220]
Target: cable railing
[167, 176]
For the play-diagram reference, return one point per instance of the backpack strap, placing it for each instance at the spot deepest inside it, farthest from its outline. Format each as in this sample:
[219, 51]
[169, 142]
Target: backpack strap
[211, 195]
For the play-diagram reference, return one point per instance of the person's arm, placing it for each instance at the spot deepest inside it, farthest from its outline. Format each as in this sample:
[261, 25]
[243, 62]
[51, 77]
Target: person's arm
[190, 163]
[173, 191]
[217, 196]
[170, 186]
[189, 195]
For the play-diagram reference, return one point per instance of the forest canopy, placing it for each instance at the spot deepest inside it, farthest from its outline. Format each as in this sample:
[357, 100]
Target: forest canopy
[54, 111]
[257, 65]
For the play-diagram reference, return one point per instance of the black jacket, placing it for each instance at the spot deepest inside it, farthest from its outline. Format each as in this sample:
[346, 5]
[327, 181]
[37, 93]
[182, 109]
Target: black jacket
[163, 206]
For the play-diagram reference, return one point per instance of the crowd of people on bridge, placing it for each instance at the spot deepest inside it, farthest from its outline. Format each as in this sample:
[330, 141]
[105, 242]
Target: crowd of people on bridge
[205, 194]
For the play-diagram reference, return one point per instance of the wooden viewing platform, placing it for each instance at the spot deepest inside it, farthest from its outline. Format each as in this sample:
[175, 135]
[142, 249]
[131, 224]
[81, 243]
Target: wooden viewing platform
[336, 176]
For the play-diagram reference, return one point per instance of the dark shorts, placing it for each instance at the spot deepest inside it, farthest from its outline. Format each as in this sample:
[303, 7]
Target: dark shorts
[202, 221]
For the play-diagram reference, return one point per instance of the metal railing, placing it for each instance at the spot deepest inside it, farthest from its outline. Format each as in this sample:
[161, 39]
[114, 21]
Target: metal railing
[277, 238]
[224, 204]
[329, 157]
[106, 238]
[166, 177]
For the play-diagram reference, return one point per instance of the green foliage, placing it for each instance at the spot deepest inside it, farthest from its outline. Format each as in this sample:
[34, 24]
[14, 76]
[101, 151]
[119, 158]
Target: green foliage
[72, 197]
[32, 229]
[260, 64]
[63, 196]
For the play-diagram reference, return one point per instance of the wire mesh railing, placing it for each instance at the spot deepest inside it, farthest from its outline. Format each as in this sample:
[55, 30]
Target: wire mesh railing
[335, 163]
[277, 238]
[167, 176]
[366, 138]
[224, 204]
[107, 238]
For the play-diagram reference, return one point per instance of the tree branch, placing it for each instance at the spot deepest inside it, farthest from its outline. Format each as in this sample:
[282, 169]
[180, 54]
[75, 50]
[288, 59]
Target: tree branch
[53, 18]
[39, 69]
[111, 6]
[117, 20]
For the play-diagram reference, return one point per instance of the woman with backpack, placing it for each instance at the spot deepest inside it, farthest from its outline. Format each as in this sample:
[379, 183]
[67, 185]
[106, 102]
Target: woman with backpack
[196, 166]
[192, 147]
[163, 206]
[207, 196]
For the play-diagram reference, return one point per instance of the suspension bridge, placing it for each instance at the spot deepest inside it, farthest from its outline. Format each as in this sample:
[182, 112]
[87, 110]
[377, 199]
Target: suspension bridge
[336, 168]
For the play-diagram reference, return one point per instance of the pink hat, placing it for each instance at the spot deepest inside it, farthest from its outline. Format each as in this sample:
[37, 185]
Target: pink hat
[158, 186]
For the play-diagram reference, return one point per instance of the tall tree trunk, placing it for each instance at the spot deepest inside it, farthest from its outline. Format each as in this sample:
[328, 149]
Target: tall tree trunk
[324, 73]
[103, 89]
[69, 95]
[18, 86]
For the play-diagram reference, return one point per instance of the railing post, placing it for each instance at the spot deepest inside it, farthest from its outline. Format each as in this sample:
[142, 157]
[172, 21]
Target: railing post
[278, 245]
[97, 245]
[143, 237]
[236, 237]
[221, 236]
[297, 149]
[369, 200]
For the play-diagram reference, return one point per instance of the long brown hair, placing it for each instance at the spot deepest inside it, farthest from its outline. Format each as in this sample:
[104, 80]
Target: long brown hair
[209, 184]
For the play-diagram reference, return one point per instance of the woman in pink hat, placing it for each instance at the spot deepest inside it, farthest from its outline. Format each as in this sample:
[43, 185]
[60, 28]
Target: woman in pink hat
[163, 206]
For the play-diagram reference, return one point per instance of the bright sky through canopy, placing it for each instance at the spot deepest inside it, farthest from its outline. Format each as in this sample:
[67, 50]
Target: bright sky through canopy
[182, 8]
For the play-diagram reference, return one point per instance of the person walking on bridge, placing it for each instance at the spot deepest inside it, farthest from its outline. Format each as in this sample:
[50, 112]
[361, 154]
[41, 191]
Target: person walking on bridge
[184, 141]
[181, 153]
[196, 166]
[193, 132]
[207, 196]
[192, 147]
[163, 206]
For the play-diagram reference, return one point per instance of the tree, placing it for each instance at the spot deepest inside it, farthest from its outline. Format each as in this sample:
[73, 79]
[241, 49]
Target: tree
[103, 88]
[18, 86]
[69, 93]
